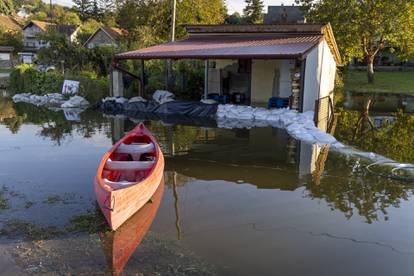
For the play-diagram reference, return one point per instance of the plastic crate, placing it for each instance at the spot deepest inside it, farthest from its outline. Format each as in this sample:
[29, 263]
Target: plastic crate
[276, 102]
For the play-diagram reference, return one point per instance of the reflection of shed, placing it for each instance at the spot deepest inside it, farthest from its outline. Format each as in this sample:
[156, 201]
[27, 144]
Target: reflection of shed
[252, 63]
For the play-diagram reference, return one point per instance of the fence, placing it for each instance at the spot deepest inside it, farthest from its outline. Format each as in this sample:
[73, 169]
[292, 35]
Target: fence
[324, 113]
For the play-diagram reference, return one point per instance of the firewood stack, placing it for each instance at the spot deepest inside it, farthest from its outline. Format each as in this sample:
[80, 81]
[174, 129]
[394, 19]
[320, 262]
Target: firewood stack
[295, 76]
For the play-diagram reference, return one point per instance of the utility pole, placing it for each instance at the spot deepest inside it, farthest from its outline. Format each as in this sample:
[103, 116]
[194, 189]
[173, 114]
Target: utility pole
[51, 11]
[169, 77]
[173, 20]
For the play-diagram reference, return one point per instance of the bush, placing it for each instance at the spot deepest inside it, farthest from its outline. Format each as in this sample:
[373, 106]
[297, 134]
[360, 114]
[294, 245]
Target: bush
[92, 89]
[25, 79]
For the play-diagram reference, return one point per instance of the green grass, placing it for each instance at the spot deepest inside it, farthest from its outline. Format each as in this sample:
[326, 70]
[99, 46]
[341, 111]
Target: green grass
[385, 82]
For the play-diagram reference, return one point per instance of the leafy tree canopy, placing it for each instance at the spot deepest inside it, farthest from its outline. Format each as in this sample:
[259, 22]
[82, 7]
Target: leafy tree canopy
[363, 27]
[253, 12]
[6, 7]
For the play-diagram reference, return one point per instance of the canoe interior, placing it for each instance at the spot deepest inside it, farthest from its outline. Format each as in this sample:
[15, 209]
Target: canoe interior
[135, 175]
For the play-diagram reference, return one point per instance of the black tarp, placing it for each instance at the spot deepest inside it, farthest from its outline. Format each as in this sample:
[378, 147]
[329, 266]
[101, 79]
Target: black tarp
[183, 108]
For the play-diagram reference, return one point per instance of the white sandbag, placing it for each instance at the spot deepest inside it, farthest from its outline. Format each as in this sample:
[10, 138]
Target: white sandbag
[121, 100]
[208, 101]
[163, 96]
[75, 101]
[137, 99]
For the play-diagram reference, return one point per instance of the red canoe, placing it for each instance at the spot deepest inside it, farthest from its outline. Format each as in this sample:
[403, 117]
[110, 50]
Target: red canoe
[119, 246]
[128, 175]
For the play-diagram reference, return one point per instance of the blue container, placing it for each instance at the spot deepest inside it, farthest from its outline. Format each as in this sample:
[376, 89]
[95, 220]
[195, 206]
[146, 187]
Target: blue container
[223, 99]
[277, 102]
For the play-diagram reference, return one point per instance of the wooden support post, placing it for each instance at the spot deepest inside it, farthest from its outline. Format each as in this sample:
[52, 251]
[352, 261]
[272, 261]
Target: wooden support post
[142, 78]
[205, 79]
[117, 83]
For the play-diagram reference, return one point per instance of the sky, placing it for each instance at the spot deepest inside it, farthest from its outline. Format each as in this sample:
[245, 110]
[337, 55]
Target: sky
[233, 5]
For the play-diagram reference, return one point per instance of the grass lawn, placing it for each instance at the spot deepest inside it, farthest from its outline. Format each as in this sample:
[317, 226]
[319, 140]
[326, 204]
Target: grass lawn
[385, 82]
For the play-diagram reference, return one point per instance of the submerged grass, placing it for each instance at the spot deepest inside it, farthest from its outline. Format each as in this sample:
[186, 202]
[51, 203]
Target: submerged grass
[4, 202]
[53, 199]
[92, 222]
[15, 228]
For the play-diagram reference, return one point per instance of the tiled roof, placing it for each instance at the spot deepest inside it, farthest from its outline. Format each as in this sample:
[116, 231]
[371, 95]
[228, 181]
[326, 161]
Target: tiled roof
[9, 23]
[229, 46]
[41, 24]
[242, 41]
[114, 33]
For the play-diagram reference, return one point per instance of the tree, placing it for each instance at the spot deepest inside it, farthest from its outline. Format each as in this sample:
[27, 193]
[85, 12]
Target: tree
[11, 38]
[253, 12]
[6, 7]
[364, 27]
[149, 22]
[234, 18]
[83, 7]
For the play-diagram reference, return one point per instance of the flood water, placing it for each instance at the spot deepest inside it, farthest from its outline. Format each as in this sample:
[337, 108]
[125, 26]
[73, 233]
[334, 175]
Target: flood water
[236, 202]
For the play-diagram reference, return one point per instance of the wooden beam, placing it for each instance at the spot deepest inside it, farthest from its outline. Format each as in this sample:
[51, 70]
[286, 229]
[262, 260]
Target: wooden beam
[205, 79]
[142, 78]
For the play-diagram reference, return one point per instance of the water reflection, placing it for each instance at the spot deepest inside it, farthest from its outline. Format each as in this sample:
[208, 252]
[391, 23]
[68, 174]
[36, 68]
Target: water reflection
[119, 246]
[394, 138]
[381, 102]
[227, 190]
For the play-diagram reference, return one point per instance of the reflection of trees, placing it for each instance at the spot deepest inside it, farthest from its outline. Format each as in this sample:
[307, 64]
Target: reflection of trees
[355, 192]
[54, 124]
[176, 139]
[393, 140]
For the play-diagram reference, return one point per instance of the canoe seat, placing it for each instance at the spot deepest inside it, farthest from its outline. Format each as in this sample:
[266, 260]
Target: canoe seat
[117, 184]
[120, 183]
[135, 149]
[128, 165]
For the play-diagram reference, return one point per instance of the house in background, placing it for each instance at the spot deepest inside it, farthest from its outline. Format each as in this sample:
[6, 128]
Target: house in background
[105, 36]
[284, 14]
[32, 42]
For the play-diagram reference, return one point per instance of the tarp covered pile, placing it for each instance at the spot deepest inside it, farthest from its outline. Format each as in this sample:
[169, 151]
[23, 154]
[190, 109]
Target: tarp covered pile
[163, 103]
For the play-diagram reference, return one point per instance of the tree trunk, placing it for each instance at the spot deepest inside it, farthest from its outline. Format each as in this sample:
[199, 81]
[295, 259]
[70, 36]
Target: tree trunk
[370, 69]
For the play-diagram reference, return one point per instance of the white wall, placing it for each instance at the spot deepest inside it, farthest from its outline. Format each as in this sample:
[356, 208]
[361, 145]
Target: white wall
[263, 72]
[328, 72]
[318, 83]
[311, 86]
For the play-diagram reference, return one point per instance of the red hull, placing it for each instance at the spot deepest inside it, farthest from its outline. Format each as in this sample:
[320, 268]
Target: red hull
[119, 246]
[119, 204]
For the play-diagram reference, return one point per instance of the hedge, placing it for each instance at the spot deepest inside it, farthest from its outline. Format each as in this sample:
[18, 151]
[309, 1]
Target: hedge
[25, 79]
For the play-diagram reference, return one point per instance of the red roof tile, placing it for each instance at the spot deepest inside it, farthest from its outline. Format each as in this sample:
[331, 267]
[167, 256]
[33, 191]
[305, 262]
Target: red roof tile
[229, 46]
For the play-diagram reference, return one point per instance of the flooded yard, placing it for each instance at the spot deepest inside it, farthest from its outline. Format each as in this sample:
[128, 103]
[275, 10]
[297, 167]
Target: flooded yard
[235, 201]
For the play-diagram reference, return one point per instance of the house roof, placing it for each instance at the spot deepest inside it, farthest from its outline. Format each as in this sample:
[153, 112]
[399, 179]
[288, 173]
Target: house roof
[228, 47]
[284, 14]
[9, 23]
[41, 24]
[241, 41]
[112, 32]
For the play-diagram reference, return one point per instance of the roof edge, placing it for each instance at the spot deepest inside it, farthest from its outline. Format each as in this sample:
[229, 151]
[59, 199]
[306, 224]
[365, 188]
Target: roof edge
[330, 40]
